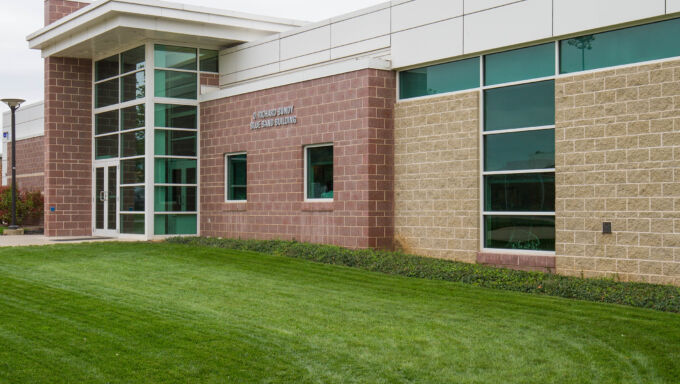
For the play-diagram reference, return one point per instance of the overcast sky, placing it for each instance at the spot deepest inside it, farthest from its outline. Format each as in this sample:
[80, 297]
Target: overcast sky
[21, 69]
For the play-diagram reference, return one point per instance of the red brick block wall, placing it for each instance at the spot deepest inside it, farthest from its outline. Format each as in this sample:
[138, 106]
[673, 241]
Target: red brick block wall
[30, 164]
[68, 146]
[354, 112]
[211, 79]
[56, 9]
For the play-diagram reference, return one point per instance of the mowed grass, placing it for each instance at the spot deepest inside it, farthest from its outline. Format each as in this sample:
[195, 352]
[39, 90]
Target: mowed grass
[165, 313]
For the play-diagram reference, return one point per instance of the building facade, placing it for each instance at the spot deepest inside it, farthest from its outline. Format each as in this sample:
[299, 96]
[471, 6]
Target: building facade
[532, 134]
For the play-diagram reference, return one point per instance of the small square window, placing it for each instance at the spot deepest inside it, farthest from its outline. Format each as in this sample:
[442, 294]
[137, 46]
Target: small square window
[319, 172]
[236, 176]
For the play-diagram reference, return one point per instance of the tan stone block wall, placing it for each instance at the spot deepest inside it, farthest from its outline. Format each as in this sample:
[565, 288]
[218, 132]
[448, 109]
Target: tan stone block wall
[436, 165]
[618, 160]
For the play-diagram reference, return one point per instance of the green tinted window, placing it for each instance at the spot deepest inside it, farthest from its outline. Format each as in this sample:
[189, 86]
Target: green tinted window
[105, 68]
[132, 60]
[520, 106]
[132, 171]
[209, 60]
[133, 117]
[168, 56]
[181, 85]
[521, 150]
[530, 233]
[132, 224]
[132, 86]
[175, 171]
[237, 177]
[106, 122]
[175, 143]
[534, 192]
[624, 46]
[520, 64]
[106, 93]
[441, 78]
[175, 116]
[175, 199]
[132, 199]
[320, 172]
[175, 224]
[132, 143]
[106, 147]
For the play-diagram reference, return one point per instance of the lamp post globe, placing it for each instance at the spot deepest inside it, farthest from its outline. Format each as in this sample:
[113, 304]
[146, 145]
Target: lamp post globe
[13, 105]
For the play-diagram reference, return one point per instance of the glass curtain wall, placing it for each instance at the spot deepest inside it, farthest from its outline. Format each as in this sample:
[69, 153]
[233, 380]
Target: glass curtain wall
[519, 149]
[119, 129]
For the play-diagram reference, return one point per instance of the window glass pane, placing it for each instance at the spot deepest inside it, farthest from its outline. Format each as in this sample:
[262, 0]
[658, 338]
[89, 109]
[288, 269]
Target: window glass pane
[132, 171]
[132, 199]
[103, 69]
[133, 117]
[447, 77]
[106, 147]
[520, 106]
[106, 93]
[520, 64]
[175, 224]
[516, 193]
[320, 173]
[99, 203]
[106, 122]
[175, 199]
[209, 60]
[132, 144]
[623, 46]
[238, 177]
[168, 56]
[175, 143]
[521, 150]
[132, 224]
[181, 85]
[132, 60]
[535, 233]
[175, 171]
[175, 116]
[132, 86]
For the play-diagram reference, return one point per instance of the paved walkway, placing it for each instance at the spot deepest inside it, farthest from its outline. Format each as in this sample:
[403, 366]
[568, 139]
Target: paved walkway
[18, 241]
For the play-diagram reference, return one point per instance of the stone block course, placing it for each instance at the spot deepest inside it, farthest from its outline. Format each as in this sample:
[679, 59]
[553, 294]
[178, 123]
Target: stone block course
[630, 166]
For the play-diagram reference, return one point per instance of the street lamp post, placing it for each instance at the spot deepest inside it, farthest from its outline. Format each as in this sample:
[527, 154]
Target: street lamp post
[14, 104]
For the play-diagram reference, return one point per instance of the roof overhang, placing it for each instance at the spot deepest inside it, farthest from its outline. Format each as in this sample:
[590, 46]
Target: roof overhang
[107, 24]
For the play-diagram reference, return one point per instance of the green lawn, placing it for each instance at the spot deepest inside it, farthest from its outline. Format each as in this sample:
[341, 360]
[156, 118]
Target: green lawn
[164, 313]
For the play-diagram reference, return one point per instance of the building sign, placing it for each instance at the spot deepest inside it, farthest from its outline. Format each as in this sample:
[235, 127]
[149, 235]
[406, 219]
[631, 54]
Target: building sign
[273, 117]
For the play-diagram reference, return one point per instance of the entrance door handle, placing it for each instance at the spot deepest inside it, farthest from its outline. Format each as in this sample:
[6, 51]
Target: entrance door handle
[102, 196]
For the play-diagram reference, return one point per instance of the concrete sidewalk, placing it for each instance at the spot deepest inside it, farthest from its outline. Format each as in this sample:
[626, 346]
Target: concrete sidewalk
[25, 240]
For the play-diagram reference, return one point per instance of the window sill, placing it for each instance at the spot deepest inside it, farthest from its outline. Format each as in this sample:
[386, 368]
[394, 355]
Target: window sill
[318, 206]
[235, 206]
[528, 261]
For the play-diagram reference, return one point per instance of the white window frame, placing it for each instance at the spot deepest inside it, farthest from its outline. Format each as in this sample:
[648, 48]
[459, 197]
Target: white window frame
[226, 177]
[305, 159]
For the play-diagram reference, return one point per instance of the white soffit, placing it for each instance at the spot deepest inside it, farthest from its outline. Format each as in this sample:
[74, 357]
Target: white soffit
[108, 24]
[672, 6]
[573, 16]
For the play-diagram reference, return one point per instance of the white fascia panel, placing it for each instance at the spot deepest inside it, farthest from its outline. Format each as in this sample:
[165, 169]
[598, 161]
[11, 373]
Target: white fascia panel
[430, 42]
[416, 13]
[361, 47]
[672, 6]
[573, 16]
[360, 28]
[250, 57]
[472, 6]
[517, 23]
[307, 42]
[249, 74]
[297, 76]
[303, 61]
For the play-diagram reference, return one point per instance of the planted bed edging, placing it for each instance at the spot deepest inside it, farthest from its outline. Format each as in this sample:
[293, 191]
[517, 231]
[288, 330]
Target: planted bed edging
[643, 295]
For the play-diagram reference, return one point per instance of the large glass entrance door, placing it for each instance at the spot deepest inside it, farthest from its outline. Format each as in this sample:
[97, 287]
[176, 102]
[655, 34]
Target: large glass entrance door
[105, 198]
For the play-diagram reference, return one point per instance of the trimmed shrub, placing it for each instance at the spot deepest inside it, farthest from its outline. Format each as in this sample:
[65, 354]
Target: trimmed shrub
[29, 206]
[658, 297]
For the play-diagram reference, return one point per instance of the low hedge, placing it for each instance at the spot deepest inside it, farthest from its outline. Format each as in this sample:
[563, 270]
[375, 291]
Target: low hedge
[658, 297]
